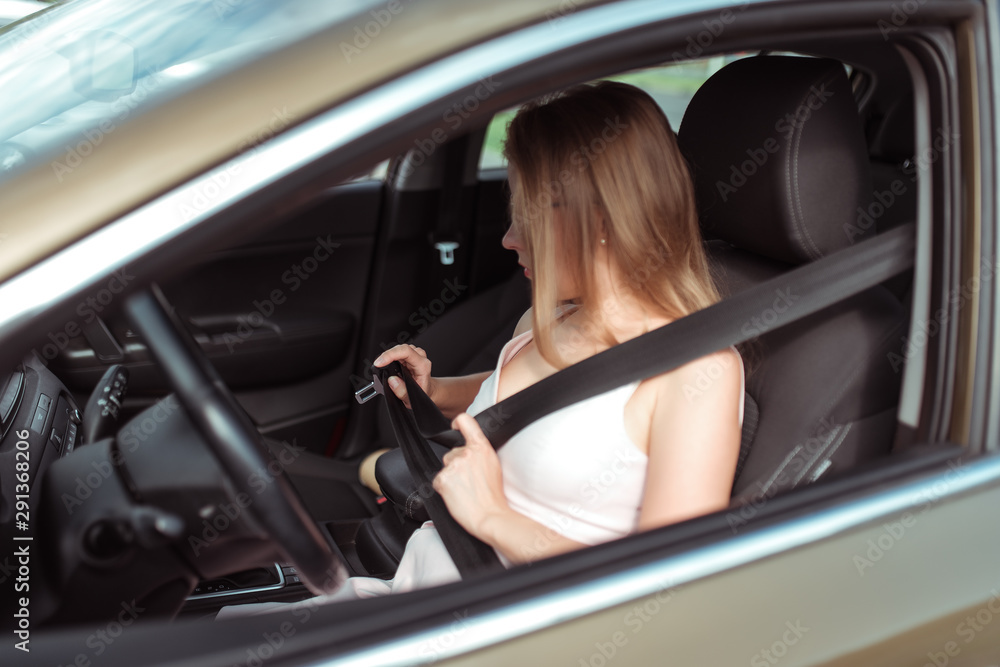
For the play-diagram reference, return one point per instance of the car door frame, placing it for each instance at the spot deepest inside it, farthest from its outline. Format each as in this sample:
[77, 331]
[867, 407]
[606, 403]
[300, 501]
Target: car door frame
[696, 565]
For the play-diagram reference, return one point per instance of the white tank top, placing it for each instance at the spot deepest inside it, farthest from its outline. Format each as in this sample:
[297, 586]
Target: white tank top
[574, 470]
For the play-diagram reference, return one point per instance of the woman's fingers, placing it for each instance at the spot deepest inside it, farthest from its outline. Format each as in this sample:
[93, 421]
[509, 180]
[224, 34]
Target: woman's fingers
[469, 427]
[474, 438]
[415, 360]
[398, 387]
[410, 353]
[471, 481]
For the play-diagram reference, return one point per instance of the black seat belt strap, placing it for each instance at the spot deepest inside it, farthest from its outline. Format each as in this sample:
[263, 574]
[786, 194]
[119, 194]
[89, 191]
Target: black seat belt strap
[470, 554]
[802, 291]
[447, 236]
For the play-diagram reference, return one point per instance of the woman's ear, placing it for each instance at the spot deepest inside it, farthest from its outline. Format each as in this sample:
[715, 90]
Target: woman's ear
[602, 228]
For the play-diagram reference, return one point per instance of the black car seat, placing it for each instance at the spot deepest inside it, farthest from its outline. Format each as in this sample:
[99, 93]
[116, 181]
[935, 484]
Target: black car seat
[469, 337]
[780, 166]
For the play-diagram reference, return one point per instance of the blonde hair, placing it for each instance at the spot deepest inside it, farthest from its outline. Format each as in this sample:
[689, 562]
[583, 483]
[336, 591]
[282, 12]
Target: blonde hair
[605, 153]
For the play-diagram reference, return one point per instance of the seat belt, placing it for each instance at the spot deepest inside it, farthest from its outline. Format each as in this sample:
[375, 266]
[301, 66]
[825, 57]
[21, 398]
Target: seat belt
[447, 236]
[471, 555]
[806, 290]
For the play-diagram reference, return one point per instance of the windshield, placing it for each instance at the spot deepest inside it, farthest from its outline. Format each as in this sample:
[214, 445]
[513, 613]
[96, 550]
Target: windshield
[87, 65]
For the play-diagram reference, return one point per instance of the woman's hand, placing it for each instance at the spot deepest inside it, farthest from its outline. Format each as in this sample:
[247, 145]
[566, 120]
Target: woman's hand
[471, 482]
[415, 360]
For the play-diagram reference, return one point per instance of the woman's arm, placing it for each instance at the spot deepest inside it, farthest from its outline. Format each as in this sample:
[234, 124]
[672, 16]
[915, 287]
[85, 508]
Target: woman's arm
[524, 540]
[452, 395]
[471, 484]
[694, 440]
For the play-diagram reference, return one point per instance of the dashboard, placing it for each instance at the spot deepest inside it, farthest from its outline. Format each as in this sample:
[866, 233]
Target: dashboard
[42, 423]
[39, 422]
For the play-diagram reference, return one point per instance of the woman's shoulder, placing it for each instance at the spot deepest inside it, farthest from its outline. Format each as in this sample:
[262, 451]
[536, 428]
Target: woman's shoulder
[526, 322]
[716, 376]
[523, 324]
[666, 407]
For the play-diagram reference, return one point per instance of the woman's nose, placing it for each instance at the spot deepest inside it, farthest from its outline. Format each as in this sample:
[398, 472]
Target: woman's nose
[512, 240]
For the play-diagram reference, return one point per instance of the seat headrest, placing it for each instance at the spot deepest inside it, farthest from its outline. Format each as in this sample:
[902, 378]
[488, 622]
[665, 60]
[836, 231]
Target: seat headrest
[778, 156]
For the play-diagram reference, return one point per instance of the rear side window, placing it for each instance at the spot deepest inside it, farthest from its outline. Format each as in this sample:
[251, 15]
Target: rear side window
[671, 84]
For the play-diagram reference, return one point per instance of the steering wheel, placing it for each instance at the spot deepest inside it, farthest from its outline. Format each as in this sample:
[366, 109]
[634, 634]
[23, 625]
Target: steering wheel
[234, 440]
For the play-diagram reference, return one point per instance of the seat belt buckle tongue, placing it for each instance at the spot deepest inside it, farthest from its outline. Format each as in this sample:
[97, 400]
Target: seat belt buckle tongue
[369, 391]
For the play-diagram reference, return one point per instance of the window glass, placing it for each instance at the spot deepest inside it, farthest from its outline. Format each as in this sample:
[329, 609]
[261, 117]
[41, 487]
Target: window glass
[672, 85]
[492, 155]
[78, 71]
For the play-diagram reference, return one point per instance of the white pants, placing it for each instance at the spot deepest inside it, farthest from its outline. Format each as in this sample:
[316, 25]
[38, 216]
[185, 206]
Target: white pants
[425, 564]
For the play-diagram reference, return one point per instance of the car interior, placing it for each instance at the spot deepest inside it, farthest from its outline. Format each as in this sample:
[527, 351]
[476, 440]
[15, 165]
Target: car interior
[410, 253]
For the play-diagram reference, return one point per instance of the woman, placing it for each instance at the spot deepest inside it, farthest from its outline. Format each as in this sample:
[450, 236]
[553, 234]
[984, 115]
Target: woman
[604, 224]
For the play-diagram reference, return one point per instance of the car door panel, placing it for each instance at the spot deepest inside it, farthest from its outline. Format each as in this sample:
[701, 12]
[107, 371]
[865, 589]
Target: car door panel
[276, 315]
